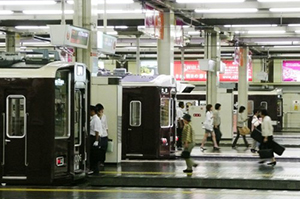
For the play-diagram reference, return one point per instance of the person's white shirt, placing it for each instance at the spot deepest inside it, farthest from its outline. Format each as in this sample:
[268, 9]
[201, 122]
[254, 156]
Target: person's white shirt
[255, 122]
[179, 114]
[96, 126]
[209, 119]
[267, 127]
[104, 126]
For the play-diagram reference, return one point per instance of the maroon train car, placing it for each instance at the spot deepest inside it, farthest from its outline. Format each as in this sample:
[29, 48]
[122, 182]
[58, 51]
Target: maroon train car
[44, 123]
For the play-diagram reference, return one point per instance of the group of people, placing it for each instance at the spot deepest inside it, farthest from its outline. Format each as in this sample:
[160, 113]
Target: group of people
[260, 122]
[98, 138]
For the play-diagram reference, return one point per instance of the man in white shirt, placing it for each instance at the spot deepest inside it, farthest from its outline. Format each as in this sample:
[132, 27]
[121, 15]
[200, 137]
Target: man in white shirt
[96, 130]
[179, 122]
[104, 135]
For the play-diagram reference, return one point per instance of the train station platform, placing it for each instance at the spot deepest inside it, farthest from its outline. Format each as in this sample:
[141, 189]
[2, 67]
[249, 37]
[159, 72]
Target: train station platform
[226, 169]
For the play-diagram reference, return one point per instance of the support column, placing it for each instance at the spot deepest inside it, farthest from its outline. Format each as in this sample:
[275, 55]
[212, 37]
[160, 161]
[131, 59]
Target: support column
[85, 16]
[182, 63]
[165, 47]
[212, 52]
[138, 59]
[10, 42]
[243, 80]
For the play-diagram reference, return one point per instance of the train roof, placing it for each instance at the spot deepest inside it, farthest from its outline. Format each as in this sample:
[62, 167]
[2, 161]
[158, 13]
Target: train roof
[140, 81]
[34, 71]
[272, 92]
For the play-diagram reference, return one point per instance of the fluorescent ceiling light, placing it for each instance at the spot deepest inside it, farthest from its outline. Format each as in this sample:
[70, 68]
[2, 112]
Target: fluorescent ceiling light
[277, 42]
[297, 31]
[120, 11]
[31, 27]
[250, 25]
[284, 9]
[108, 1]
[107, 27]
[112, 33]
[267, 32]
[121, 27]
[210, 1]
[18, 3]
[193, 32]
[294, 24]
[234, 10]
[269, 1]
[287, 47]
[6, 12]
[46, 12]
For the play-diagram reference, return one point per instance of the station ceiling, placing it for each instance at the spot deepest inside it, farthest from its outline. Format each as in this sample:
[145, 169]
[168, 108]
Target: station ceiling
[271, 28]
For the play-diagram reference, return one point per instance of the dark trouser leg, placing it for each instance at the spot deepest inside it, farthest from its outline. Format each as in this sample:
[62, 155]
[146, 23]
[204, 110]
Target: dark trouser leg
[245, 141]
[103, 149]
[236, 139]
[179, 135]
[93, 154]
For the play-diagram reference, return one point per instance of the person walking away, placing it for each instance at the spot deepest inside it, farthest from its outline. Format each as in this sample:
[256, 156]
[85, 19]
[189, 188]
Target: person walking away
[256, 124]
[217, 123]
[188, 142]
[208, 124]
[95, 132]
[267, 133]
[180, 124]
[104, 135]
[240, 123]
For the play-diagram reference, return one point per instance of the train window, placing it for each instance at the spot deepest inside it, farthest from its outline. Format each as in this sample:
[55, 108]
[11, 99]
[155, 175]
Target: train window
[264, 105]
[135, 118]
[172, 112]
[250, 107]
[77, 118]
[62, 105]
[16, 118]
[165, 106]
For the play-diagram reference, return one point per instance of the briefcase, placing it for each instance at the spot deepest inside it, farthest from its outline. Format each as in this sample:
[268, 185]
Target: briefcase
[277, 148]
[256, 135]
[266, 153]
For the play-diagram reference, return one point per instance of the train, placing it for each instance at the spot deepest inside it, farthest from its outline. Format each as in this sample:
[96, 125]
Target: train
[44, 121]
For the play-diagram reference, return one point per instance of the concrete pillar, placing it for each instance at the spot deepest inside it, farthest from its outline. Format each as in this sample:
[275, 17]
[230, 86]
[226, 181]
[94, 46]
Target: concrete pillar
[182, 63]
[85, 16]
[10, 42]
[212, 51]
[138, 59]
[243, 79]
[165, 51]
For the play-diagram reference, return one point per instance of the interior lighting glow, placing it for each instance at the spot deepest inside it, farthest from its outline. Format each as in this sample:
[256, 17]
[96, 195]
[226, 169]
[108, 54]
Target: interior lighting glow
[277, 42]
[267, 32]
[210, 1]
[284, 9]
[6, 12]
[121, 27]
[107, 27]
[46, 12]
[194, 33]
[294, 25]
[112, 33]
[31, 27]
[235, 10]
[297, 31]
[18, 3]
[287, 47]
[269, 1]
[120, 11]
[108, 2]
[250, 25]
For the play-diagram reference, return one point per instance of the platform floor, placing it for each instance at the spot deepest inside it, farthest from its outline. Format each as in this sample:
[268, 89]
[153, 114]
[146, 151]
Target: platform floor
[138, 193]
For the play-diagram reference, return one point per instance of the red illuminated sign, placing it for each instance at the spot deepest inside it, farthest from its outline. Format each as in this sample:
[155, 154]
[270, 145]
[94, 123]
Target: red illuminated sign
[197, 115]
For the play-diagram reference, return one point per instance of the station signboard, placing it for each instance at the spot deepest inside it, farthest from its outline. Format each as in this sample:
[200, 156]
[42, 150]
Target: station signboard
[106, 44]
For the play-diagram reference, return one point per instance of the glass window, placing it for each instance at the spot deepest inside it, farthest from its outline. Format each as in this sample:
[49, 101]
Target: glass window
[62, 104]
[172, 112]
[77, 118]
[16, 119]
[135, 113]
[165, 106]
[250, 107]
[264, 105]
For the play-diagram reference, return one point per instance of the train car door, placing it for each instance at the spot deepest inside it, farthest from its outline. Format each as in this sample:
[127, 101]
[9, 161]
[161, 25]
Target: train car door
[135, 130]
[14, 125]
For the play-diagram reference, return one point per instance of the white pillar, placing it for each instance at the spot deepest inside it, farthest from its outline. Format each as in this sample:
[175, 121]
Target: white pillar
[138, 59]
[212, 51]
[165, 47]
[243, 80]
[10, 42]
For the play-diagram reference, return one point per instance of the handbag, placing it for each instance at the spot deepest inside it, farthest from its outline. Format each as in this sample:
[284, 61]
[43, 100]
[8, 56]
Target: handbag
[110, 146]
[185, 154]
[265, 151]
[244, 130]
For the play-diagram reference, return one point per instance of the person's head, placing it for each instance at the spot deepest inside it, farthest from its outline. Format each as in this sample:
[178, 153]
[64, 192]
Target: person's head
[93, 110]
[264, 113]
[186, 118]
[217, 106]
[181, 104]
[209, 107]
[241, 109]
[99, 109]
[256, 112]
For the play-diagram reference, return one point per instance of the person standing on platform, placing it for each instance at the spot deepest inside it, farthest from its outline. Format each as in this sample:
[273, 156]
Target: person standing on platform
[104, 135]
[240, 123]
[217, 123]
[188, 142]
[256, 124]
[267, 133]
[179, 121]
[208, 125]
[95, 132]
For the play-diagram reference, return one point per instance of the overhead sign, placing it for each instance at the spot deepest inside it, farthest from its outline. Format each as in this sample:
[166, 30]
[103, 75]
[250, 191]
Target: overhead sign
[66, 35]
[106, 44]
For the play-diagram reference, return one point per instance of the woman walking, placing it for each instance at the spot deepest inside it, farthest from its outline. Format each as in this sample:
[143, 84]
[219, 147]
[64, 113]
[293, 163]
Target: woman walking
[208, 125]
[240, 124]
[188, 142]
[256, 124]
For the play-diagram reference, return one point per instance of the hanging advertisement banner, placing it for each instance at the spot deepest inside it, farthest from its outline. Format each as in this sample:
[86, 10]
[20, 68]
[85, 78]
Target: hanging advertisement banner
[159, 24]
[291, 71]
[154, 22]
[232, 72]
